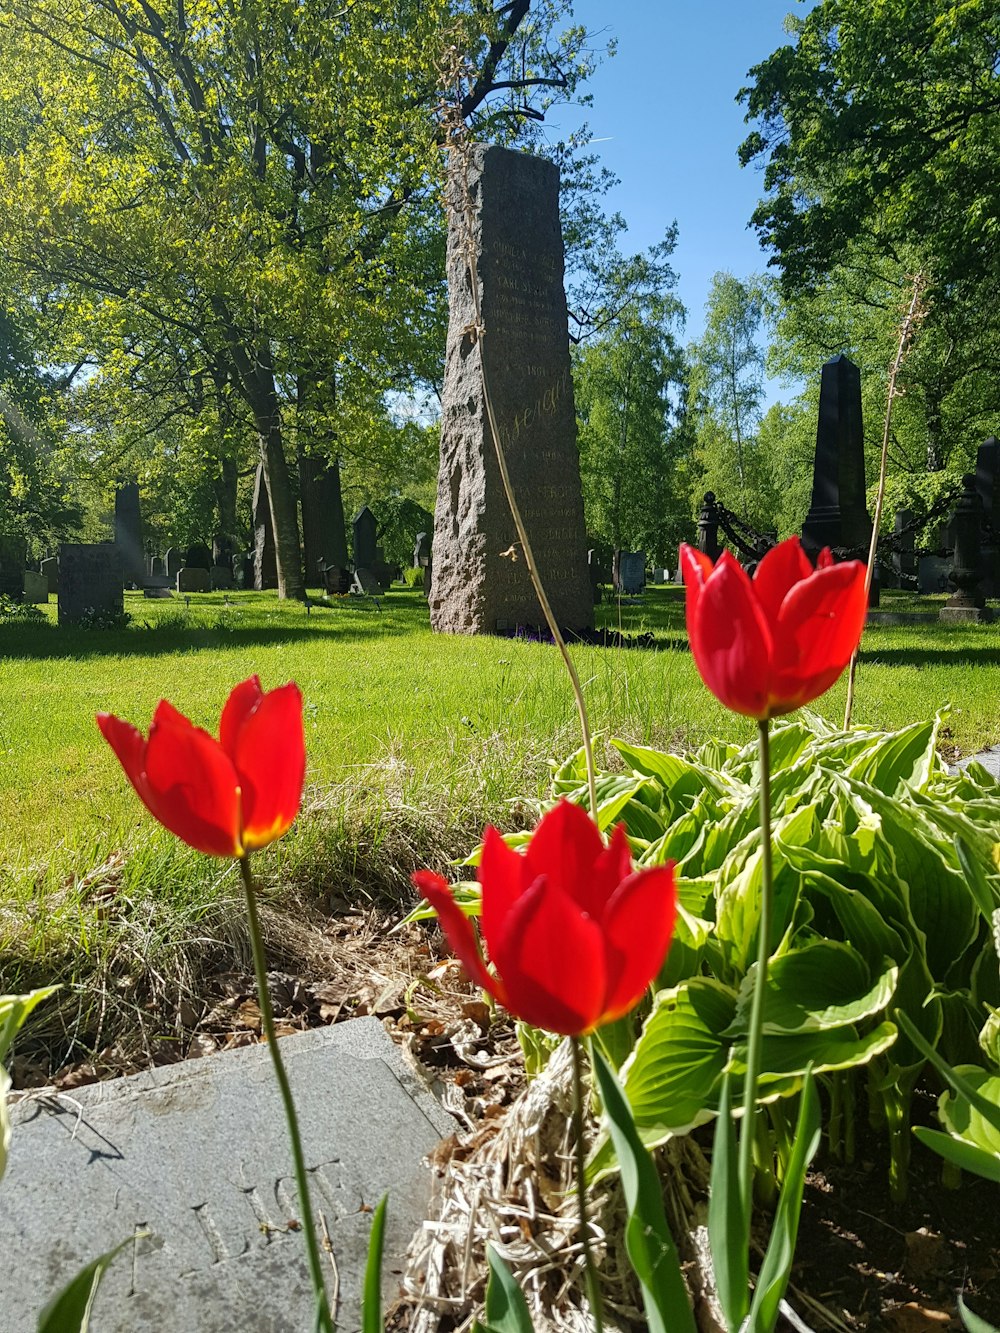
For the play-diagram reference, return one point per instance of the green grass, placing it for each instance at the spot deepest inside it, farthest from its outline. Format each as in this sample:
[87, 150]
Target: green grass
[414, 740]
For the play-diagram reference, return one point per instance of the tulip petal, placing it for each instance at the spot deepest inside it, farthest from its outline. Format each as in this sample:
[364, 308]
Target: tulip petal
[612, 867]
[696, 566]
[238, 707]
[192, 786]
[730, 640]
[269, 755]
[564, 847]
[779, 571]
[819, 626]
[129, 744]
[502, 877]
[551, 961]
[457, 928]
[637, 927]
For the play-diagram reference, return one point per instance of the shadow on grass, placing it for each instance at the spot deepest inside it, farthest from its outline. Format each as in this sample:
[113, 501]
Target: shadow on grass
[23, 642]
[955, 657]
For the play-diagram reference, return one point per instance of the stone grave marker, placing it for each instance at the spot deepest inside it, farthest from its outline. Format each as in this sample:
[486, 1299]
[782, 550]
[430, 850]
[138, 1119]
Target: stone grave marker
[198, 556]
[932, 573]
[967, 602]
[631, 572]
[36, 588]
[837, 514]
[196, 1154]
[421, 550]
[13, 558]
[988, 486]
[324, 535]
[366, 582]
[90, 581]
[265, 559]
[173, 562]
[128, 533]
[50, 568]
[481, 582]
[194, 579]
[157, 567]
[221, 577]
[365, 529]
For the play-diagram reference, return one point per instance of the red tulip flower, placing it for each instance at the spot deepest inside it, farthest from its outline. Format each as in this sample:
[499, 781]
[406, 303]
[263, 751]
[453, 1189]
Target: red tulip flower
[575, 934]
[228, 796]
[767, 646]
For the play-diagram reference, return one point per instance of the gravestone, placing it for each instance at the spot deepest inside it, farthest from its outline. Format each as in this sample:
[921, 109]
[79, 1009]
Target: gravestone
[50, 568]
[13, 558]
[366, 583]
[904, 562]
[324, 535]
[36, 588]
[90, 581]
[481, 581]
[631, 572]
[196, 1155]
[365, 529]
[128, 534]
[932, 573]
[837, 515]
[988, 487]
[157, 567]
[174, 562]
[421, 550]
[194, 579]
[198, 556]
[221, 577]
[265, 560]
[967, 601]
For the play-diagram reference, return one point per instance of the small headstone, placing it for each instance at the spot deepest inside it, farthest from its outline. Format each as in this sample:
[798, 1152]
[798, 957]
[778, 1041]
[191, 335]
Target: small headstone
[50, 568]
[198, 556]
[157, 567]
[837, 515]
[481, 580]
[221, 577]
[631, 572]
[90, 581]
[159, 581]
[421, 550]
[195, 579]
[36, 588]
[366, 582]
[932, 574]
[174, 561]
[365, 528]
[196, 1154]
[967, 601]
[13, 557]
[128, 534]
[265, 559]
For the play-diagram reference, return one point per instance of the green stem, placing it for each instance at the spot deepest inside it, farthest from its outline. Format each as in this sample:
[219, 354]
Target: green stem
[754, 1036]
[324, 1319]
[589, 1267]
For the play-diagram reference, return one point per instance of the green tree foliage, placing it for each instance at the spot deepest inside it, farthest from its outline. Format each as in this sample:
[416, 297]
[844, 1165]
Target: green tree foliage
[725, 394]
[628, 378]
[878, 123]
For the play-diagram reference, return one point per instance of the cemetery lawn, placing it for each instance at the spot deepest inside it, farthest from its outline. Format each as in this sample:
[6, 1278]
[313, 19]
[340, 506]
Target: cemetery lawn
[414, 741]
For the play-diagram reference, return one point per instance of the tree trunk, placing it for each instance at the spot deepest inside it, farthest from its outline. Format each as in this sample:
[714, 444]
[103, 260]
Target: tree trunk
[225, 486]
[324, 534]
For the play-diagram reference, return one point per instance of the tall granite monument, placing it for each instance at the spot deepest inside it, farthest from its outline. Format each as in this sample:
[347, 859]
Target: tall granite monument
[128, 533]
[481, 581]
[838, 515]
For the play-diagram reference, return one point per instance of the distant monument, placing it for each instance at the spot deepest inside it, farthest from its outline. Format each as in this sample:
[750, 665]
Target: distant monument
[837, 515]
[128, 534]
[481, 583]
[265, 561]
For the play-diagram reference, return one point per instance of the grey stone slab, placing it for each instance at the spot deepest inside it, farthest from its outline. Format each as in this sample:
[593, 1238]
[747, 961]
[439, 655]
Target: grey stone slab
[194, 579]
[480, 579]
[990, 760]
[90, 581]
[197, 1155]
[36, 587]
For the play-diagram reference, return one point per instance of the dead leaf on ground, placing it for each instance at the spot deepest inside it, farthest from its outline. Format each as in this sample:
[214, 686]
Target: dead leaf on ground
[916, 1318]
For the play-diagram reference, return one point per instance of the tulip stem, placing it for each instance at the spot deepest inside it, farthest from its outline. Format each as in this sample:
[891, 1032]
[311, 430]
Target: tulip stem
[589, 1267]
[755, 1035]
[324, 1318]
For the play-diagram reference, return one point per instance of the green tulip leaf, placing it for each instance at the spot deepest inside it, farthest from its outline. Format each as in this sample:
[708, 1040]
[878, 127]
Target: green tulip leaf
[973, 1322]
[776, 1268]
[371, 1301]
[648, 1241]
[506, 1309]
[69, 1311]
[14, 1009]
[728, 1219]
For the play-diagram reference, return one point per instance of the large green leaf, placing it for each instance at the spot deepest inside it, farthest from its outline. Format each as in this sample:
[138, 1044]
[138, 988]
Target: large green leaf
[648, 1241]
[960, 1152]
[964, 1118]
[784, 1060]
[906, 756]
[822, 986]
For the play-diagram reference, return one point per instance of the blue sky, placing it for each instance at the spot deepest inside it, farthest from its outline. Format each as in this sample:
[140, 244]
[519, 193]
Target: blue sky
[664, 108]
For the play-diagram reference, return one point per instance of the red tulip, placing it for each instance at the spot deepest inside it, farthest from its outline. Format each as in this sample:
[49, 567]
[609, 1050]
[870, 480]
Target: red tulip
[768, 646]
[574, 933]
[228, 796]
